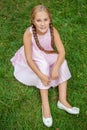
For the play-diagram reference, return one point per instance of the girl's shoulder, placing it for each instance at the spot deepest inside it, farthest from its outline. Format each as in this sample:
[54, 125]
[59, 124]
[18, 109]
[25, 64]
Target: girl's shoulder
[28, 32]
[55, 31]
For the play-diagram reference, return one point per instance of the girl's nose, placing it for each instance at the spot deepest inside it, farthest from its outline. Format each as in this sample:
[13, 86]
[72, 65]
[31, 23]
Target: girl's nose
[42, 23]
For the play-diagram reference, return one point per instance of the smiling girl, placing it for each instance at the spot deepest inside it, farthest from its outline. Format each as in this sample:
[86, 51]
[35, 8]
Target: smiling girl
[37, 64]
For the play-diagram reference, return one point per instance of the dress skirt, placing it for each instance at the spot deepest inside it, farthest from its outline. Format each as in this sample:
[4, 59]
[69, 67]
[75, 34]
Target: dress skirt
[24, 74]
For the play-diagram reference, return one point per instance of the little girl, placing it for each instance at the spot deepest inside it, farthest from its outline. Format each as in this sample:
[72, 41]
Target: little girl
[38, 64]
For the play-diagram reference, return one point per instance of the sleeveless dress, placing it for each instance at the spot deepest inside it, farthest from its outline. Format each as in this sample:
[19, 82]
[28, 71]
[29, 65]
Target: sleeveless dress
[24, 74]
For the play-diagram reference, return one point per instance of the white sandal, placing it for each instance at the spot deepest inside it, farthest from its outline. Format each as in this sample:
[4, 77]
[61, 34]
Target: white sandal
[47, 121]
[73, 110]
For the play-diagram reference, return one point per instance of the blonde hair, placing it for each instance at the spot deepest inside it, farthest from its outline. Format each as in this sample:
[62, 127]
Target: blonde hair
[35, 10]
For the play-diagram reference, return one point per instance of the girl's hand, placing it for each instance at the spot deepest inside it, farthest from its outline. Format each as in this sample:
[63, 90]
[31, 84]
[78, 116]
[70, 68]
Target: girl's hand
[54, 74]
[45, 80]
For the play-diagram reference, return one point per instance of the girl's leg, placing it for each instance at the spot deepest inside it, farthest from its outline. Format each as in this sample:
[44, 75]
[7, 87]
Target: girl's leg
[45, 103]
[63, 94]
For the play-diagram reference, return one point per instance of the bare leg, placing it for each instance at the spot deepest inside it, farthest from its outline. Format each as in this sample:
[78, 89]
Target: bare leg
[45, 103]
[62, 94]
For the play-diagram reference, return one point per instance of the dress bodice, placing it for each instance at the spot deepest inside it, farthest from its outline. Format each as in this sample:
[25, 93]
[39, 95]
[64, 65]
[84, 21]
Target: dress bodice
[44, 40]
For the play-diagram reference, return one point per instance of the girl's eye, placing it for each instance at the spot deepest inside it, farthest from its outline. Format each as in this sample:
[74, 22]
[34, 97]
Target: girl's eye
[45, 19]
[38, 20]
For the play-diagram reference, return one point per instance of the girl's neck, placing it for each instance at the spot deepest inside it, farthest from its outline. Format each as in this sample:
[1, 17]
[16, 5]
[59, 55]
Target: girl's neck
[41, 33]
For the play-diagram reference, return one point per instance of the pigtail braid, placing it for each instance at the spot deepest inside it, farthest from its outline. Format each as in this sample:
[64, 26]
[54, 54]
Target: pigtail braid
[37, 41]
[52, 36]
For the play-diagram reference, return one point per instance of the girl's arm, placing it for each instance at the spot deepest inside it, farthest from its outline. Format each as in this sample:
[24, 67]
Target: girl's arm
[28, 54]
[61, 53]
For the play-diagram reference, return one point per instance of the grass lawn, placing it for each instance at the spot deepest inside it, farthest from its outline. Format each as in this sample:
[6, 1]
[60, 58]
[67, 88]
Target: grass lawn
[20, 106]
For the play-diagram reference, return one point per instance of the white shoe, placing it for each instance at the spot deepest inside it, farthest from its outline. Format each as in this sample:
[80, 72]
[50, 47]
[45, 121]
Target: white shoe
[73, 110]
[47, 121]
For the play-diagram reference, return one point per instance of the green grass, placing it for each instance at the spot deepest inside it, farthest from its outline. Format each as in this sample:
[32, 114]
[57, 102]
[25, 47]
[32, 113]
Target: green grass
[20, 106]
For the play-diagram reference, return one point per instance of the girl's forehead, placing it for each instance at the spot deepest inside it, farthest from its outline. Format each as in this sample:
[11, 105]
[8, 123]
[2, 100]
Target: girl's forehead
[41, 14]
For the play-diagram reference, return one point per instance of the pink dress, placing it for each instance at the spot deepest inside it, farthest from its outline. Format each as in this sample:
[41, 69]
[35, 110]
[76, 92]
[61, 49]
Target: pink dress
[45, 62]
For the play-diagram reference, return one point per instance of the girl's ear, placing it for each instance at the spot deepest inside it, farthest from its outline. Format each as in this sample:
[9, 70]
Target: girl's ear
[33, 25]
[33, 22]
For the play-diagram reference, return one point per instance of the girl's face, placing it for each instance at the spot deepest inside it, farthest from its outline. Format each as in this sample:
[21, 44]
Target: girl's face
[41, 22]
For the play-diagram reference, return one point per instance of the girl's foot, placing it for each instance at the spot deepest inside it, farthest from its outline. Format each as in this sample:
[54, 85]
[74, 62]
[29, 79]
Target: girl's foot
[46, 116]
[47, 121]
[67, 107]
[66, 103]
